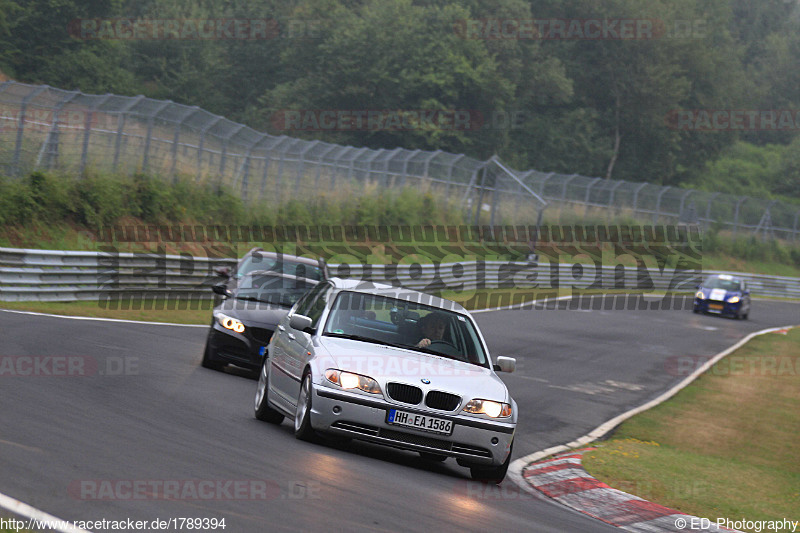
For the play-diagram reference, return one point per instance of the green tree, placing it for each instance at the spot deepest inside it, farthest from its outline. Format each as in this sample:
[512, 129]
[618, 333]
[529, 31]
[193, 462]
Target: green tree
[45, 48]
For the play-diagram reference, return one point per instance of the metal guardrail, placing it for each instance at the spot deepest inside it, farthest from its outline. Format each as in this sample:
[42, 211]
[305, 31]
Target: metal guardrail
[44, 275]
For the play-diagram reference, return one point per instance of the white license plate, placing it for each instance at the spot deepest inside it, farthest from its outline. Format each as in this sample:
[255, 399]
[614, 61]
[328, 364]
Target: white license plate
[417, 421]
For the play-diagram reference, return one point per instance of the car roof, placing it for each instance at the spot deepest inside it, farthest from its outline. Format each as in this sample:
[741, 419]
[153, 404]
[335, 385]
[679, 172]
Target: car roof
[726, 277]
[284, 257]
[401, 293]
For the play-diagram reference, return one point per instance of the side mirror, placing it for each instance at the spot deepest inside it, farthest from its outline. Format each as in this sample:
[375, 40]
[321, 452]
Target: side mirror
[505, 364]
[221, 290]
[697, 286]
[299, 322]
[224, 272]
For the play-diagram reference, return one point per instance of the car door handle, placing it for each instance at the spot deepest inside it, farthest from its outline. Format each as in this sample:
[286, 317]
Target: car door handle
[281, 328]
[291, 336]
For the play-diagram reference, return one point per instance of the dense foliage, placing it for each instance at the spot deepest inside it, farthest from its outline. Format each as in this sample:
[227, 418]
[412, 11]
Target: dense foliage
[598, 107]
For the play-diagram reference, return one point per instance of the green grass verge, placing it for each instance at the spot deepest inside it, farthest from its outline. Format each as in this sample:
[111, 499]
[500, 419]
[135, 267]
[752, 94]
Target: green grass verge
[188, 312]
[725, 446]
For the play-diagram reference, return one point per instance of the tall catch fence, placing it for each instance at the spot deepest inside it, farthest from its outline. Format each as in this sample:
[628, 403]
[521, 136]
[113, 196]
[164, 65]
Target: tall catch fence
[42, 128]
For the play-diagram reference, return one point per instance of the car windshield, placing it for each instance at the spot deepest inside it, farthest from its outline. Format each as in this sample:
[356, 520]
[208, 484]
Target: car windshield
[271, 288]
[280, 264]
[717, 282]
[394, 322]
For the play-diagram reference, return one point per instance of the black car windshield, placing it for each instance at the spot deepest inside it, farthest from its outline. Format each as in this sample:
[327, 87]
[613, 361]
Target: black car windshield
[271, 288]
[279, 264]
[390, 321]
[718, 282]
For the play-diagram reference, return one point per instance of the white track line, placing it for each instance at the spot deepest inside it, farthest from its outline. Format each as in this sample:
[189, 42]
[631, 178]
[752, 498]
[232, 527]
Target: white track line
[515, 469]
[104, 319]
[31, 513]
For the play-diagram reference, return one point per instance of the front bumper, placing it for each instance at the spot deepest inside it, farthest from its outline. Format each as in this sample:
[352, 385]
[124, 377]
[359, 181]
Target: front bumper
[364, 418]
[717, 307]
[241, 349]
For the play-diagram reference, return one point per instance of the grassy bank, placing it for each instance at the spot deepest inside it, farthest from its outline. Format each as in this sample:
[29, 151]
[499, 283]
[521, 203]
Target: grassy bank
[45, 211]
[724, 447]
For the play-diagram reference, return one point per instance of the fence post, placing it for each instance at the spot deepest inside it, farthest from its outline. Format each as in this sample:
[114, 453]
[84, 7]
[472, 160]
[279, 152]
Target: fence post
[708, 207]
[121, 127]
[321, 163]
[588, 193]
[450, 174]
[150, 122]
[245, 172]
[658, 205]
[15, 169]
[203, 132]
[224, 154]
[301, 164]
[52, 135]
[683, 201]
[267, 159]
[175, 139]
[612, 192]
[88, 131]
[636, 197]
[742, 199]
[405, 167]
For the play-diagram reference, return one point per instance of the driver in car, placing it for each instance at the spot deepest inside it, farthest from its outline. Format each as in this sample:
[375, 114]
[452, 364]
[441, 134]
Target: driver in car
[433, 327]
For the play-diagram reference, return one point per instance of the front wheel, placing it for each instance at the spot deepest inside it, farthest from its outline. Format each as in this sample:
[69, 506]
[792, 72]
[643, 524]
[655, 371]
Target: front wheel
[263, 411]
[491, 474]
[302, 417]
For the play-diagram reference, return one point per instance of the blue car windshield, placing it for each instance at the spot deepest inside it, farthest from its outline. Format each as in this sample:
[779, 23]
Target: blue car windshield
[395, 322]
[716, 282]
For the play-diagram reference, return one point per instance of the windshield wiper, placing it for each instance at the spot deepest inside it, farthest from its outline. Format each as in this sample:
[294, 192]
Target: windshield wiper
[361, 338]
[254, 299]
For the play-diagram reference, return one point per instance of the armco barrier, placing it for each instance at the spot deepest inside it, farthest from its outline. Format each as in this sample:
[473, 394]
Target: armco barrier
[44, 275]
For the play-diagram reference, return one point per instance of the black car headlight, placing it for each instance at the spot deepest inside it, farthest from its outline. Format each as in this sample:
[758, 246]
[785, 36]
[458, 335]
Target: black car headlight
[228, 322]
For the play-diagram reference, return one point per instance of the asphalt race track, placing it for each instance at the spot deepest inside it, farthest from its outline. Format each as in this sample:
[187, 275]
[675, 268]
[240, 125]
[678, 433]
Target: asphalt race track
[130, 406]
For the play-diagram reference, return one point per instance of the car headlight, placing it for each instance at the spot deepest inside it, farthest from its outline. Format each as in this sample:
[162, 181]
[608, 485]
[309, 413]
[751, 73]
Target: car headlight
[228, 322]
[349, 380]
[733, 299]
[699, 295]
[488, 407]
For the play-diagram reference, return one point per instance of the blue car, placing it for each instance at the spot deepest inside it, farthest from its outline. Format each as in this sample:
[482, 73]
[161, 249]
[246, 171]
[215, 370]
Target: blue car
[723, 294]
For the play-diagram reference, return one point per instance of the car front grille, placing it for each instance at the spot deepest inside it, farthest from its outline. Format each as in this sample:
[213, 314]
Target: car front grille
[261, 335]
[404, 393]
[442, 401]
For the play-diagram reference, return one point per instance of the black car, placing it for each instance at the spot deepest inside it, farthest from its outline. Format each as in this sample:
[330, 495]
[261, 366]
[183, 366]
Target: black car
[252, 300]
